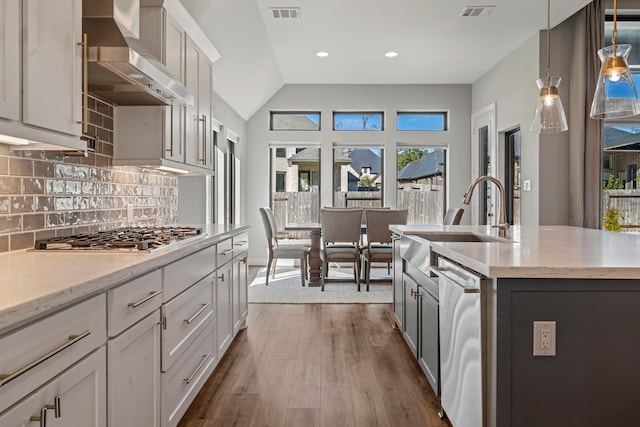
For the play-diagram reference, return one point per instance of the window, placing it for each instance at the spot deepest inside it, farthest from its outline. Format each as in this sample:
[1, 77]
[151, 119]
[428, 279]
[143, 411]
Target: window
[295, 187]
[302, 120]
[421, 120]
[364, 120]
[420, 183]
[357, 177]
[621, 147]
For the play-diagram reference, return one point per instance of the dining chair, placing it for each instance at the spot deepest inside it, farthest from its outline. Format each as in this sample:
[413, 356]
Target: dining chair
[340, 239]
[281, 252]
[378, 248]
[453, 216]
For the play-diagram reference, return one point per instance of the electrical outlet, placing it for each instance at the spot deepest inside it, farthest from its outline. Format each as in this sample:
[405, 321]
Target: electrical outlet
[544, 338]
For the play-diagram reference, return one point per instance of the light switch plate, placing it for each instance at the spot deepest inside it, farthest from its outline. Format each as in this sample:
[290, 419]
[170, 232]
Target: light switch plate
[544, 338]
[526, 185]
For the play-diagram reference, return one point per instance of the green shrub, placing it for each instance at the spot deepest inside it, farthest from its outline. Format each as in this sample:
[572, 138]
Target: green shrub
[612, 220]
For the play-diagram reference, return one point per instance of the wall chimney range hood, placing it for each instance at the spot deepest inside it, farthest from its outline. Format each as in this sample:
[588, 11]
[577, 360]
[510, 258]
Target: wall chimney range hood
[119, 69]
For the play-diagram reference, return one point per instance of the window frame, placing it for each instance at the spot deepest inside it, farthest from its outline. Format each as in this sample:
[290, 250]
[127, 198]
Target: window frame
[295, 113]
[442, 113]
[381, 113]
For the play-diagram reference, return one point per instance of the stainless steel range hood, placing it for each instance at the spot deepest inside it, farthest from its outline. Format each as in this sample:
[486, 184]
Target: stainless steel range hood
[119, 69]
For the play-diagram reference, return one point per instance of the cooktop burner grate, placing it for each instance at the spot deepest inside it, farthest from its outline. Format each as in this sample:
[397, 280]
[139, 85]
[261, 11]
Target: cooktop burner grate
[129, 238]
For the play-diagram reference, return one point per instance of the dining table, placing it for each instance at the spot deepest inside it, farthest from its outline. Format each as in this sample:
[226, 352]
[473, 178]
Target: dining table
[315, 263]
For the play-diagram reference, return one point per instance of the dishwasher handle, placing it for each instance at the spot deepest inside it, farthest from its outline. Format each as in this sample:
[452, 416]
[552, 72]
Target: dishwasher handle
[457, 279]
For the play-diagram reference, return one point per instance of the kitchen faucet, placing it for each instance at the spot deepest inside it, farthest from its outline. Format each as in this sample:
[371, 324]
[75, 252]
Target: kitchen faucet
[502, 224]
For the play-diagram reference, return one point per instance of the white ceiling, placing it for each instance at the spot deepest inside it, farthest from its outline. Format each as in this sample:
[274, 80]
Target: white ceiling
[435, 43]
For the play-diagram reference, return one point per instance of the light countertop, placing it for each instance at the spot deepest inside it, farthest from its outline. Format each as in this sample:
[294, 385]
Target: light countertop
[35, 282]
[540, 251]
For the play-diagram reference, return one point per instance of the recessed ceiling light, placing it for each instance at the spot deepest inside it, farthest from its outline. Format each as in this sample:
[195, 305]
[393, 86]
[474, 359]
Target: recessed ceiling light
[391, 54]
[322, 54]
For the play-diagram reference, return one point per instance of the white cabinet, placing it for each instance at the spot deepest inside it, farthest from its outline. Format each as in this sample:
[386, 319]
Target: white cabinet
[73, 399]
[224, 307]
[134, 375]
[52, 65]
[239, 297]
[41, 72]
[134, 351]
[199, 81]
[10, 60]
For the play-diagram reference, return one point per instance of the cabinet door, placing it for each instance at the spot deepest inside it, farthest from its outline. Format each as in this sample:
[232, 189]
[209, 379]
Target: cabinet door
[240, 305]
[429, 342]
[192, 124]
[223, 307]
[134, 375]
[52, 61]
[398, 291]
[205, 92]
[410, 324]
[80, 393]
[10, 59]
[174, 61]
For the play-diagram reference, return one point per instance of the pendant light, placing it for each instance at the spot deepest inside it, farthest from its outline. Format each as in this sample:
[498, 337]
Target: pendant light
[549, 116]
[615, 94]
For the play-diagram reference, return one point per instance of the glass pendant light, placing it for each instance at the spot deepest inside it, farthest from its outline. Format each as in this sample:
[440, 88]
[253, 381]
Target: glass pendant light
[615, 94]
[549, 116]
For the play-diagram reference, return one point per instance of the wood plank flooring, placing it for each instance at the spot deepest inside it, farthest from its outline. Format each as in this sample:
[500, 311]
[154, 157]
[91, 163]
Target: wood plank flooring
[317, 365]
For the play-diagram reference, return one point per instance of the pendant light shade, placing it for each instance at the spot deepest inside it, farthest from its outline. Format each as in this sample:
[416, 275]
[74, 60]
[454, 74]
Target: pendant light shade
[549, 116]
[615, 94]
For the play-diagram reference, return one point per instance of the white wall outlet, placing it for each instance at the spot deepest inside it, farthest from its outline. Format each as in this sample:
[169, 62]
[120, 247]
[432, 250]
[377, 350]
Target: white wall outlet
[129, 213]
[526, 185]
[544, 338]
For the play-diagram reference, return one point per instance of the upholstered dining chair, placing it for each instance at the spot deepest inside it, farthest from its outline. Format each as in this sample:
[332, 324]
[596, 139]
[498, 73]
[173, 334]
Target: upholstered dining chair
[281, 252]
[453, 216]
[379, 247]
[340, 239]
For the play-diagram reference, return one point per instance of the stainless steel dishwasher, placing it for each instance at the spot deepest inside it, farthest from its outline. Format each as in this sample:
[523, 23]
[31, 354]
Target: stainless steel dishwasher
[462, 372]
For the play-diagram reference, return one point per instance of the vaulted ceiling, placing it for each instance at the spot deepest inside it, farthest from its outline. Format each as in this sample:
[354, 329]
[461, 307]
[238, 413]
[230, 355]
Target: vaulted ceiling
[434, 42]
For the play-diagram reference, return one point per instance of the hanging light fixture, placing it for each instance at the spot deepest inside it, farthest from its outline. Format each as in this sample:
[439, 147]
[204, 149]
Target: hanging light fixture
[615, 94]
[549, 116]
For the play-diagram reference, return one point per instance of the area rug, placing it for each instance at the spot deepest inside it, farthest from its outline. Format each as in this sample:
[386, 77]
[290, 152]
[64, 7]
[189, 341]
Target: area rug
[287, 289]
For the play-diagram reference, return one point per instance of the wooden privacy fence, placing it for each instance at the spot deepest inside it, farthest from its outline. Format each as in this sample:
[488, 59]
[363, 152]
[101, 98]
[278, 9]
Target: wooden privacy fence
[628, 204]
[426, 206]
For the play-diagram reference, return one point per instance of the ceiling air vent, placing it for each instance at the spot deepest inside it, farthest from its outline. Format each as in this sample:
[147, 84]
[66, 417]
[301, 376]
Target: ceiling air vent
[477, 11]
[285, 12]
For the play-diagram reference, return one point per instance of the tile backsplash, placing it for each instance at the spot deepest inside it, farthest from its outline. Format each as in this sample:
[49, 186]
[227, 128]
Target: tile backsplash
[50, 193]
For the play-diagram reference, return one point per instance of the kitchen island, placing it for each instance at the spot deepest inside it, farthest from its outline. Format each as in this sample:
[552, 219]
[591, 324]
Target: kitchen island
[158, 322]
[585, 282]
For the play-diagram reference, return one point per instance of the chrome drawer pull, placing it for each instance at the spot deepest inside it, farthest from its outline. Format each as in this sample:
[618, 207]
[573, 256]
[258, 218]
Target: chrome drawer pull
[198, 313]
[145, 299]
[42, 417]
[226, 252]
[204, 360]
[4, 379]
[221, 277]
[241, 243]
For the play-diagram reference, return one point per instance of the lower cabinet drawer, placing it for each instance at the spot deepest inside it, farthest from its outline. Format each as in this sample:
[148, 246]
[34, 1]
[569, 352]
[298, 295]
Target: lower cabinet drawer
[224, 252]
[184, 317]
[133, 301]
[181, 384]
[79, 394]
[183, 273]
[31, 356]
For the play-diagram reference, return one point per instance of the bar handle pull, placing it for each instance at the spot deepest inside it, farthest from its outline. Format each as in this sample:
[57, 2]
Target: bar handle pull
[145, 299]
[204, 360]
[198, 313]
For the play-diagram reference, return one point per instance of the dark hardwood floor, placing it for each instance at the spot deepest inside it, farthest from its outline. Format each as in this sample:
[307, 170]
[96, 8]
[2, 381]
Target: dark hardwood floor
[317, 365]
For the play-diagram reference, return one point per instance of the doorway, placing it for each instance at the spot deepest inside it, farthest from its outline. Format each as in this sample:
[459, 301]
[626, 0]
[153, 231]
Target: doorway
[483, 156]
[512, 176]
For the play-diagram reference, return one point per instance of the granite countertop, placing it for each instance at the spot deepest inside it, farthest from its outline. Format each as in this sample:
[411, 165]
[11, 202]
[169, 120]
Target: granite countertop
[33, 283]
[540, 251]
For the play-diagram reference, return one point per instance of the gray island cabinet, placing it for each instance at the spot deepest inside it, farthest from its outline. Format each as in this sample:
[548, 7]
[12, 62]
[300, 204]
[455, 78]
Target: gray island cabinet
[582, 284]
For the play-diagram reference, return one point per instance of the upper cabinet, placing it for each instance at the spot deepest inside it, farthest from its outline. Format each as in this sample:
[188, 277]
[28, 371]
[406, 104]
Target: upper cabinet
[41, 54]
[10, 60]
[199, 80]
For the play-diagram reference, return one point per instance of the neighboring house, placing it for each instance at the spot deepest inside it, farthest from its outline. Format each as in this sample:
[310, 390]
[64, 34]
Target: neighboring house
[429, 170]
[364, 163]
[621, 155]
[303, 166]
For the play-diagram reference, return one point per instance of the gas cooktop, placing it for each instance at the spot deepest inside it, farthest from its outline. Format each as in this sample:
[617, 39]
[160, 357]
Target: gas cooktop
[129, 239]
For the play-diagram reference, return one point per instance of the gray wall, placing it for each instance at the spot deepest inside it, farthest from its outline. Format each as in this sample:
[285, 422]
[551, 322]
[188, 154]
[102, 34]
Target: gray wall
[456, 99]
[545, 158]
